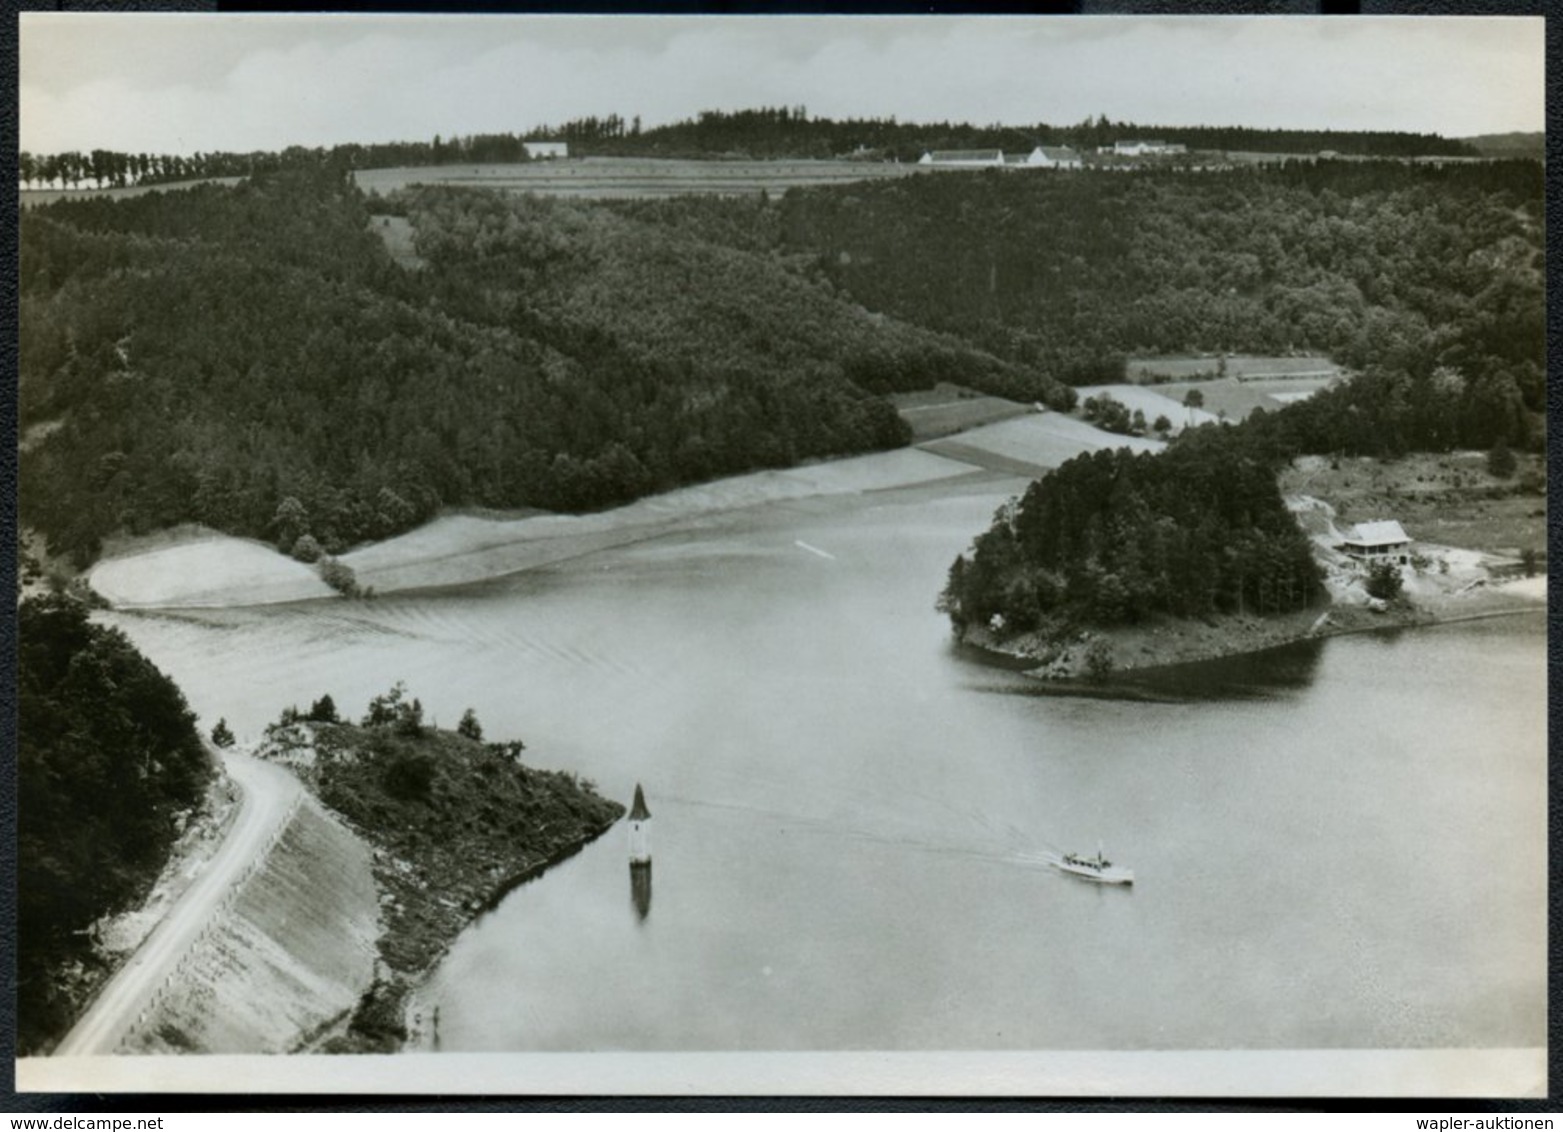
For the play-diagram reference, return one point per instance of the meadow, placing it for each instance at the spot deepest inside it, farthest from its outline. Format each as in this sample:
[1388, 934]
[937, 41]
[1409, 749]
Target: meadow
[1150, 371]
[610, 178]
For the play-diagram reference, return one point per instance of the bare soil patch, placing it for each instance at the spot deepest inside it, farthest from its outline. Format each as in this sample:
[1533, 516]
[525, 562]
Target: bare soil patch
[397, 233]
[204, 569]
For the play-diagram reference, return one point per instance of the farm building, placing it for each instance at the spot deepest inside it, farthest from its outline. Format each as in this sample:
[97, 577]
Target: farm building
[1148, 148]
[546, 150]
[1053, 157]
[1042, 157]
[964, 158]
[1382, 540]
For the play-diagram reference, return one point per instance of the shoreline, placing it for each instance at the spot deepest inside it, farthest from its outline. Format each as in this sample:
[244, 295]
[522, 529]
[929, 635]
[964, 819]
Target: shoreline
[452, 826]
[1124, 681]
[398, 995]
[422, 1036]
[463, 548]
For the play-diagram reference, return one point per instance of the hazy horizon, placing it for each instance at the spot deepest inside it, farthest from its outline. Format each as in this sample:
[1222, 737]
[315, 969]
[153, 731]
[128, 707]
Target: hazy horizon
[179, 84]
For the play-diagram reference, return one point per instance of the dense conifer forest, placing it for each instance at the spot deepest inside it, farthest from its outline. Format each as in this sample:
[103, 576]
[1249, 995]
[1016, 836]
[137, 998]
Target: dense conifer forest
[791, 132]
[1375, 264]
[107, 758]
[1113, 537]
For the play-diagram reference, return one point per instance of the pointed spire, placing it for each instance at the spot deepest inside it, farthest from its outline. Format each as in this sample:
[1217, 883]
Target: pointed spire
[638, 811]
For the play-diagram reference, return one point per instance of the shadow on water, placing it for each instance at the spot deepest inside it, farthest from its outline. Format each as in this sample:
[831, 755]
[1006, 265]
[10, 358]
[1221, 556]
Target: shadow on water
[1287, 668]
[640, 888]
[1259, 675]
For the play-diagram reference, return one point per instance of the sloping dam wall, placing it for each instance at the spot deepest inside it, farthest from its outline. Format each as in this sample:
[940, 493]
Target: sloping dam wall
[290, 953]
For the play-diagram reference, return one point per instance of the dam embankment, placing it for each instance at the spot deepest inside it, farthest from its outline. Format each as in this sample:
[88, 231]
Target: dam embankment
[290, 952]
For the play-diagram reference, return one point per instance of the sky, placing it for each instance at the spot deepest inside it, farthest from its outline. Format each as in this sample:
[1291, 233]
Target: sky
[179, 84]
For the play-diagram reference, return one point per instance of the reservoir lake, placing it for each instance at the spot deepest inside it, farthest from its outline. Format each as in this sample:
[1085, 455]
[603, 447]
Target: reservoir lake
[1340, 844]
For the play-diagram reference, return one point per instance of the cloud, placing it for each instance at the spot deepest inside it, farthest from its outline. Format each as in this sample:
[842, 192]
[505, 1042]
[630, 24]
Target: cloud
[184, 83]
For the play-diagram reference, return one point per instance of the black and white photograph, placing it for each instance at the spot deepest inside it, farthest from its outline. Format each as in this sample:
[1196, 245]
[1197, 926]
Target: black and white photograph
[853, 555]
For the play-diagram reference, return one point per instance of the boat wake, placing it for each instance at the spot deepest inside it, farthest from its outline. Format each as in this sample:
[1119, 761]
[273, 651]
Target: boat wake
[1005, 850]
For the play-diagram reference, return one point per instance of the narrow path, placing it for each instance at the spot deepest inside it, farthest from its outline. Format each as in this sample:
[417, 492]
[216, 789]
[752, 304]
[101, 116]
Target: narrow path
[269, 797]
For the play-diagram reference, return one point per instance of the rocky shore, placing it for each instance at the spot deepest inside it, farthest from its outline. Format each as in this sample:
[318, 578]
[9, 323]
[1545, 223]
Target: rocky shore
[1095, 661]
[454, 824]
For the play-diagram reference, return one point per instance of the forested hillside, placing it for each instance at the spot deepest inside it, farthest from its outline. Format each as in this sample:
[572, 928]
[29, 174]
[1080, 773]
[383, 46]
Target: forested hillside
[107, 758]
[1430, 281]
[1374, 263]
[252, 359]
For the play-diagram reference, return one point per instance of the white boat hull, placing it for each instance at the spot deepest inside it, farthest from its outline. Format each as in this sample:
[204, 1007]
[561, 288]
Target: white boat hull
[1088, 869]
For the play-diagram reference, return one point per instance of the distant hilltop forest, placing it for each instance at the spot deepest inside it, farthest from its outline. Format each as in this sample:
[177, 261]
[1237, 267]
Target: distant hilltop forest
[771, 132]
[253, 358]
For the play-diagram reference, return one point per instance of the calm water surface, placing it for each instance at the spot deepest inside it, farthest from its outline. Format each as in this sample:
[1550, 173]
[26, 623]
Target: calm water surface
[1338, 845]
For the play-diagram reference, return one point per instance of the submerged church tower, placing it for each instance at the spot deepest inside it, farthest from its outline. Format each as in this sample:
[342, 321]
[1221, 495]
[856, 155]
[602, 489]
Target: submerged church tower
[640, 855]
[640, 830]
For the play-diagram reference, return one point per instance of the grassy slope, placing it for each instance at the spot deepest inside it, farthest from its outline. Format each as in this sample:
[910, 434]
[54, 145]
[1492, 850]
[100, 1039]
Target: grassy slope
[1446, 498]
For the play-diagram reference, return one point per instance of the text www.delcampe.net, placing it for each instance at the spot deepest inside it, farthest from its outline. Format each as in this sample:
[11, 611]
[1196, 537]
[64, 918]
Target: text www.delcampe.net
[88, 1124]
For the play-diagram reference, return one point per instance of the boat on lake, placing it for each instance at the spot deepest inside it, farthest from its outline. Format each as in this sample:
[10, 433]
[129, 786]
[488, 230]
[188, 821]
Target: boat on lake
[1097, 868]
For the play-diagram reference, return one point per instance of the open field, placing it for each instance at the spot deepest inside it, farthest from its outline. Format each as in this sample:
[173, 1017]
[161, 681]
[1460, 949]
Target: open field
[604, 178]
[940, 411]
[1234, 386]
[1229, 399]
[29, 197]
[597, 178]
[1446, 499]
[1160, 401]
[1148, 371]
[1032, 445]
